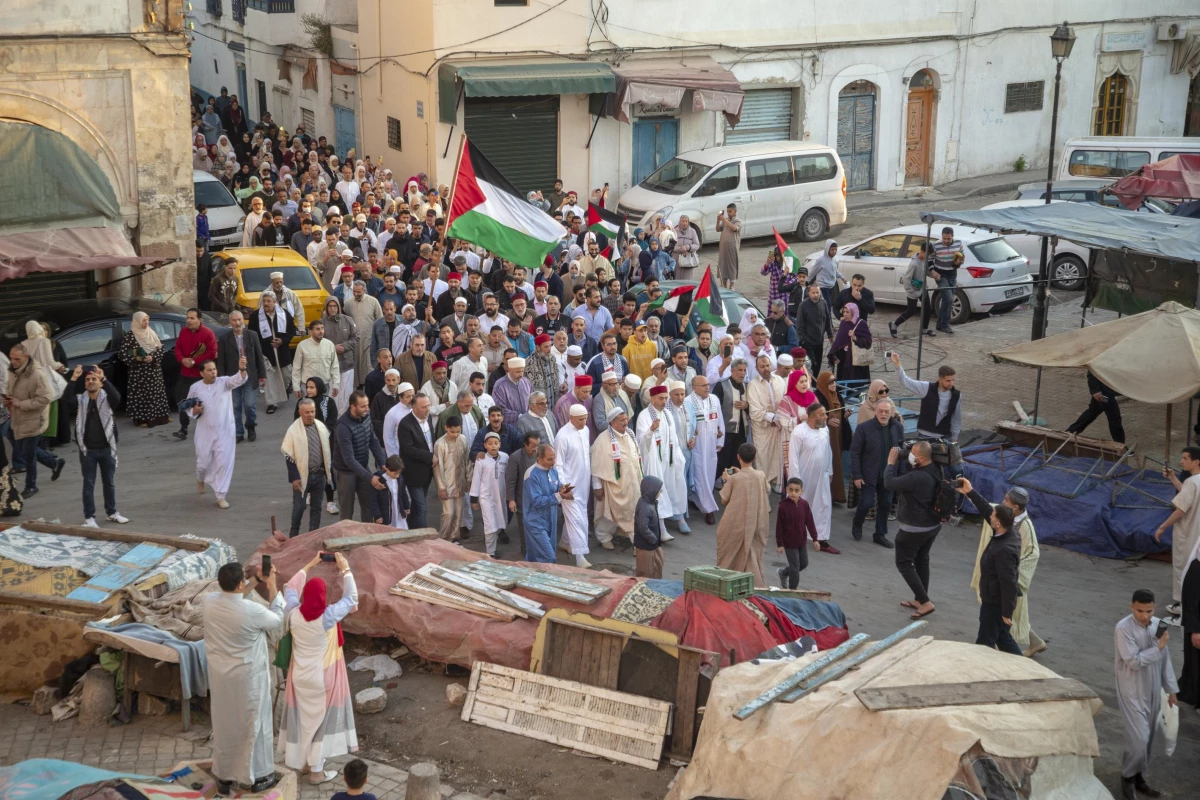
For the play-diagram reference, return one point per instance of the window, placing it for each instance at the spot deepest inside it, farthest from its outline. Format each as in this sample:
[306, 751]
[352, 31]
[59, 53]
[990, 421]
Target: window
[993, 251]
[214, 8]
[272, 6]
[1071, 197]
[512, 2]
[308, 119]
[238, 10]
[675, 177]
[1106, 163]
[1024, 96]
[1110, 111]
[769, 173]
[393, 128]
[262, 98]
[87, 342]
[213, 194]
[164, 328]
[817, 167]
[883, 246]
[295, 278]
[725, 179]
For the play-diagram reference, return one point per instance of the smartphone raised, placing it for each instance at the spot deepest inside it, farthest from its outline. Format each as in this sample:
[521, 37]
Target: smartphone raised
[1162, 628]
[328, 557]
[266, 566]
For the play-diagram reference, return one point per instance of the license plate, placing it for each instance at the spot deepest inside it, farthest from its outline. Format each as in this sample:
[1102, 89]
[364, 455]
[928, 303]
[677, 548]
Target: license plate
[1020, 290]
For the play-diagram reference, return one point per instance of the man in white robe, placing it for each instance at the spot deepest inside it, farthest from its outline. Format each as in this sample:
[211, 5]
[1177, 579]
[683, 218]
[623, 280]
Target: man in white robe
[573, 458]
[391, 421]
[705, 437]
[663, 457]
[215, 435]
[810, 458]
[364, 310]
[239, 678]
[764, 393]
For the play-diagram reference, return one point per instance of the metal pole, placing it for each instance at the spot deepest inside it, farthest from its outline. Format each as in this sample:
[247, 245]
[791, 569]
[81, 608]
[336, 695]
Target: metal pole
[1087, 287]
[1167, 456]
[924, 297]
[1039, 305]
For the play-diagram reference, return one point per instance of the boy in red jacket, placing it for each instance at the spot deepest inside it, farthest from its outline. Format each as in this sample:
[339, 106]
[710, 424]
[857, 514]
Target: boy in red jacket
[794, 520]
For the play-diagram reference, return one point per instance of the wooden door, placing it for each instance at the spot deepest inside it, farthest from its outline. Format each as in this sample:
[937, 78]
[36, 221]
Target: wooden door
[918, 144]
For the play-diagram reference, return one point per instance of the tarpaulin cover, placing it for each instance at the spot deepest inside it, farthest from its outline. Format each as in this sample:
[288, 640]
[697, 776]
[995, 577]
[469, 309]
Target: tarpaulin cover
[1088, 524]
[1174, 178]
[662, 82]
[49, 779]
[1152, 357]
[828, 745]
[1090, 225]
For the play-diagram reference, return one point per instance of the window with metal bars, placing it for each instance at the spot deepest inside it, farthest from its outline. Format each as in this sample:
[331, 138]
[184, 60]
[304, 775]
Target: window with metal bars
[214, 8]
[238, 10]
[1110, 110]
[1024, 96]
[273, 6]
[308, 119]
[393, 136]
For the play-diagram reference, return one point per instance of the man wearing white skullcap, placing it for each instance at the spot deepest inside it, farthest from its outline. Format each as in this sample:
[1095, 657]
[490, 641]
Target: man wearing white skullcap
[658, 377]
[784, 367]
[616, 476]
[573, 460]
[511, 391]
[391, 422]
[609, 397]
[677, 393]
[385, 400]
[631, 393]
[286, 298]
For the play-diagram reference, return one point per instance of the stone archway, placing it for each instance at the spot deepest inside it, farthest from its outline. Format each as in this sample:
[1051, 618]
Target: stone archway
[918, 128]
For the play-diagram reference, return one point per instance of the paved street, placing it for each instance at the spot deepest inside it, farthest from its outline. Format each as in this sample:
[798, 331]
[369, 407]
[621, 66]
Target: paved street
[1075, 600]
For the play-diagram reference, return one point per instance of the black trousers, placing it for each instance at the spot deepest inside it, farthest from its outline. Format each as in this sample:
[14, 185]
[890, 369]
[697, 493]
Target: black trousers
[910, 311]
[183, 385]
[1108, 408]
[993, 632]
[350, 487]
[314, 487]
[912, 560]
[814, 350]
[797, 558]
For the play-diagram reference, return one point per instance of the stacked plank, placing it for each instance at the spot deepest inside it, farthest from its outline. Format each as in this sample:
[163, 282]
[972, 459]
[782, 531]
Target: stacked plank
[463, 592]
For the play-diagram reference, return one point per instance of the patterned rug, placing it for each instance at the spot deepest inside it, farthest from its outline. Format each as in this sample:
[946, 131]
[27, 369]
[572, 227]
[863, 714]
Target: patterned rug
[641, 604]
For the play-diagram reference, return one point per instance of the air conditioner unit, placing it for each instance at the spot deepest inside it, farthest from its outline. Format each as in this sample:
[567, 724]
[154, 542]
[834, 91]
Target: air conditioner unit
[1171, 31]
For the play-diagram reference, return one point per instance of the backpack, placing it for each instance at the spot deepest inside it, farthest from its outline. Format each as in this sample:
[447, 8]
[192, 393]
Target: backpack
[945, 502]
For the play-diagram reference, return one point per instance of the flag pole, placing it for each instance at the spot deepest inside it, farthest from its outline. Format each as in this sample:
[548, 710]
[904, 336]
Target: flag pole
[462, 143]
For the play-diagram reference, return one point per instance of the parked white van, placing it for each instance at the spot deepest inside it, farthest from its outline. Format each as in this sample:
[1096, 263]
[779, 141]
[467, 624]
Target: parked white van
[1117, 156]
[225, 216]
[790, 186]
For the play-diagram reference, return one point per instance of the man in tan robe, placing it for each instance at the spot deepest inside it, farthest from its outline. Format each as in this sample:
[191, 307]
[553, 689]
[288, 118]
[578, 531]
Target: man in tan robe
[364, 310]
[744, 526]
[764, 394]
[616, 478]
[450, 474]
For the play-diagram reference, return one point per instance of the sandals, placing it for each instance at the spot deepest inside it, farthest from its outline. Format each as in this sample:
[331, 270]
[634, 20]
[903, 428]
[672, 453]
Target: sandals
[913, 604]
[920, 614]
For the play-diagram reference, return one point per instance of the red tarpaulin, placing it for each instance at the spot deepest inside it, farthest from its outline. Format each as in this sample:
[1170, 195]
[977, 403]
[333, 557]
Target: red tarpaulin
[1174, 178]
[66, 250]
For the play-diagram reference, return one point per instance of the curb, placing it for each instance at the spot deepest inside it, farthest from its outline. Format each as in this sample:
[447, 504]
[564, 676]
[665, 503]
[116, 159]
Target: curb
[887, 202]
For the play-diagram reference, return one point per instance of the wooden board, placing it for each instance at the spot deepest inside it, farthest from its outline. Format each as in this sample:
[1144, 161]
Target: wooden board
[664, 639]
[577, 591]
[683, 737]
[47, 602]
[1076, 447]
[119, 641]
[617, 726]
[417, 588]
[578, 653]
[795, 594]
[109, 535]
[344, 543]
[116, 576]
[1041, 690]
[456, 580]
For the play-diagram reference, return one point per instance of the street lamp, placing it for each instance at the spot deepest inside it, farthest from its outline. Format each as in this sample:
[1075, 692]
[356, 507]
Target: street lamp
[1061, 42]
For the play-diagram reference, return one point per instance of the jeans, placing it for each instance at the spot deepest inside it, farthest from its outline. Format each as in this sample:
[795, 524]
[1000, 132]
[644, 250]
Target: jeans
[245, 397]
[183, 385]
[88, 462]
[797, 558]
[946, 294]
[27, 451]
[827, 293]
[878, 495]
[993, 632]
[416, 511]
[314, 489]
[912, 559]
[350, 486]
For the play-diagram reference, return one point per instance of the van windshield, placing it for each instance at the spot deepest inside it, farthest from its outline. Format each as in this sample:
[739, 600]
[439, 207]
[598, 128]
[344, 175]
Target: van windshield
[675, 177]
[213, 194]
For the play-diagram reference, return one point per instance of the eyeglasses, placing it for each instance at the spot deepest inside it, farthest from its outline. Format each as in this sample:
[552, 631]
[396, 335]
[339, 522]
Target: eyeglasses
[883, 390]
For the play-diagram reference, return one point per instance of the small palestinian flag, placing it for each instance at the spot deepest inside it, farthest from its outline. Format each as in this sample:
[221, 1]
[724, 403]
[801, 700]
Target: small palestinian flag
[678, 300]
[790, 262]
[488, 211]
[707, 300]
[604, 222]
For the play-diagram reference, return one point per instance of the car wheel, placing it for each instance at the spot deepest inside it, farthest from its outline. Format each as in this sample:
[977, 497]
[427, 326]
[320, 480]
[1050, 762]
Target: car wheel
[1070, 273]
[813, 225]
[960, 311]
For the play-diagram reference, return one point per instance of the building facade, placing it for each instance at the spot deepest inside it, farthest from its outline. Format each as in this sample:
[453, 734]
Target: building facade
[106, 87]
[913, 92]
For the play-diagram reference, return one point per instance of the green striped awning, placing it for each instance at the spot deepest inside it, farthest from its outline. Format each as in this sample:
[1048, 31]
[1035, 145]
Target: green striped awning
[521, 80]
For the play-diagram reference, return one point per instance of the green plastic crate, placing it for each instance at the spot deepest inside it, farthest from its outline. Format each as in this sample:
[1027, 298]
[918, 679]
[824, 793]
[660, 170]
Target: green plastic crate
[723, 583]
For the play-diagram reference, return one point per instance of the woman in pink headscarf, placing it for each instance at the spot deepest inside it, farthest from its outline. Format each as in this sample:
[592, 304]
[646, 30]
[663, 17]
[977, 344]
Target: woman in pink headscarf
[841, 356]
[791, 412]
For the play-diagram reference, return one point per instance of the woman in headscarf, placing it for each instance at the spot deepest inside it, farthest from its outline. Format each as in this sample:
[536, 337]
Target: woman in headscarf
[828, 395]
[878, 391]
[225, 147]
[241, 179]
[748, 321]
[236, 117]
[412, 195]
[389, 184]
[318, 712]
[316, 390]
[244, 148]
[211, 124]
[228, 175]
[250, 187]
[41, 353]
[793, 408]
[254, 218]
[665, 234]
[841, 355]
[639, 235]
[142, 352]
[646, 267]
[664, 265]
[335, 199]
[200, 160]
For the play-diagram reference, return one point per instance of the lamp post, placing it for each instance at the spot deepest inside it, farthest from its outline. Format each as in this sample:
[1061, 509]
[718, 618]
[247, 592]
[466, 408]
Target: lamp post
[1061, 42]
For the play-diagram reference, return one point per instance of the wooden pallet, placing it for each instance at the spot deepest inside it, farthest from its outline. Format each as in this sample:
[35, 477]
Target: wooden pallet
[508, 577]
[124, 571]
[523, 606]
[617, 726]
[415, 587]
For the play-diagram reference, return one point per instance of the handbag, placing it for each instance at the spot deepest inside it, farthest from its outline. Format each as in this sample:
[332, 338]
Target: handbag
[58, 384]
[283, 652]
[861, 356]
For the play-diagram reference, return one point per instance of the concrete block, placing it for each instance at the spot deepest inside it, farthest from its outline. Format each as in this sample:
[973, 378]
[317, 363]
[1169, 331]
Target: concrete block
[44, 699]
[424, 783]
[99, 697]
[370, 701]
[152, 706]
[456, 694]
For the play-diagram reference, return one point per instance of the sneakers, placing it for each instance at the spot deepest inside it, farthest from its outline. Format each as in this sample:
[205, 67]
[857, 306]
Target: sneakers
[882, 541]
[222, 503]
[929, 332]
[28, 493]
[250, 434]
[783, 581]
[180, 435]
[90, 522]
[58, 468]
[893, 330]
[947, 331]
[332, 507]
[118, 517]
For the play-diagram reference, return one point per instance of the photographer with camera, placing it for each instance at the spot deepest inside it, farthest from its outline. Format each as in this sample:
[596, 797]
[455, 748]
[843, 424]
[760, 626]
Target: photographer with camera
[940, 412]
[918, 520]
[998, 568]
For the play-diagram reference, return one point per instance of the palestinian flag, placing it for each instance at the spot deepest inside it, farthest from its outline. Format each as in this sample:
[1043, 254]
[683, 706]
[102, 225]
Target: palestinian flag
[678, 300]
[488, 211]
[707, 300]
[604, 222]
[790, 262]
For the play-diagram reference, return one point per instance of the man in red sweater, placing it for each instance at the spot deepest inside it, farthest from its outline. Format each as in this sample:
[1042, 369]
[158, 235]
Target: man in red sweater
[195, 345]
[795, 519]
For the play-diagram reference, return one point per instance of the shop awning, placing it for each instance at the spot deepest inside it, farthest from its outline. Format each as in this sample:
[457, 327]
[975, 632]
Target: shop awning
[520, 80]
[661, 82]
[67, 250]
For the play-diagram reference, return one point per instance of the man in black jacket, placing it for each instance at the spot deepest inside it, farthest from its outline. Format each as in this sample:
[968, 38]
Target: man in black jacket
[415, 433]
[856, 293]
[998, 568]
[234, 344]
[812, 324]
[918, 520]
[354, 444]
[873, 439]
[91, 401]
[1104, 401]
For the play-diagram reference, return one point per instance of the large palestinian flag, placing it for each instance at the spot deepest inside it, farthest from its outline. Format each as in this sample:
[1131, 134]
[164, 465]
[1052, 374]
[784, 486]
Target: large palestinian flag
[707, 300]
[488, 211]
[603, 221]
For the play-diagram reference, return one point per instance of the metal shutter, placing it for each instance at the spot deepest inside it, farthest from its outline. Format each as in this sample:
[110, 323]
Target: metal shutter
[20, 297]
[766, 117]
[519, 136]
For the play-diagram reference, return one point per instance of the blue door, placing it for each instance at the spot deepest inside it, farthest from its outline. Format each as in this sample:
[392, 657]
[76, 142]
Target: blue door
[655, 142]
[856, 138]
[344, 130]
[243, 92]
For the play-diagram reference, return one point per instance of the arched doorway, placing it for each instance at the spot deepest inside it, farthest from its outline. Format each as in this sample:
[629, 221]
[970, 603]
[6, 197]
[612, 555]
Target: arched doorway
[918, 129]
[856, 133]
[1110, 108]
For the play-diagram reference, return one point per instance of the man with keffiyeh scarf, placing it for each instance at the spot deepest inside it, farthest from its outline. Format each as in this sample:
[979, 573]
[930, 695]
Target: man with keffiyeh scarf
[92, 400]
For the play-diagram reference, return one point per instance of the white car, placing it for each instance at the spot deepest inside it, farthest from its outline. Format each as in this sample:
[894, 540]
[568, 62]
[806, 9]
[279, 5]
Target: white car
[993, 276]
[226, 220]
[1069, 268]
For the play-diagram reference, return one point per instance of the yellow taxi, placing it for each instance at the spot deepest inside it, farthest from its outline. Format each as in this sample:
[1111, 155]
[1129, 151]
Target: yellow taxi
[255, 265]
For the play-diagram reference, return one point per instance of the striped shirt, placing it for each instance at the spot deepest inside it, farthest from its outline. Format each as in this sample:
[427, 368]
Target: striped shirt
[943, 256]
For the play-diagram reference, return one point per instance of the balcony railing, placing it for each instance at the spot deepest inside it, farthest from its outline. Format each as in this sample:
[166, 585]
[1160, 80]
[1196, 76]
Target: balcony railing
[273, 6]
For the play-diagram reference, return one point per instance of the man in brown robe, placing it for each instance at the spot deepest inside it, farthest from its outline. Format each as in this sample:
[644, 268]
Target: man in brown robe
[743, 529]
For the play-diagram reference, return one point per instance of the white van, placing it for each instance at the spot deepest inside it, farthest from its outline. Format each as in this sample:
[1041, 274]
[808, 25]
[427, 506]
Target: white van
[1117, 156]
[225, 216]
[790, 186]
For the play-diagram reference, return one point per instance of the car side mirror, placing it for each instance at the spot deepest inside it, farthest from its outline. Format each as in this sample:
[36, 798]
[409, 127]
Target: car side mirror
[860, 253]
